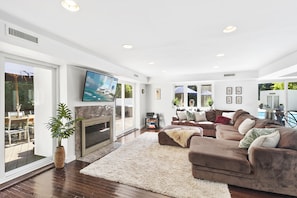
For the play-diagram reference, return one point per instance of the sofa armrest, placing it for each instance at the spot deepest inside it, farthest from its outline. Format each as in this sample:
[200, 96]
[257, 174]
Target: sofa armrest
[274, 164]
[174, 118]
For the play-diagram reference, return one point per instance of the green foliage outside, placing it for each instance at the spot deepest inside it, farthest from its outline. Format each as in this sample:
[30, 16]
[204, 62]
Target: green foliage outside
[128, 91]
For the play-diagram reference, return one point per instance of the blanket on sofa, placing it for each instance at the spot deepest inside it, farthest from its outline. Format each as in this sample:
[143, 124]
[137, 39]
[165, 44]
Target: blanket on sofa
[180, 135]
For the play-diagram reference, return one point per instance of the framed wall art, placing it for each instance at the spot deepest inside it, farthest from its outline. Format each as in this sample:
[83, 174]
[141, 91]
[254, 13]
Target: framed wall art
[158, 94]
[228, 99]
[238, 90]
[228, 90]
[238, 99]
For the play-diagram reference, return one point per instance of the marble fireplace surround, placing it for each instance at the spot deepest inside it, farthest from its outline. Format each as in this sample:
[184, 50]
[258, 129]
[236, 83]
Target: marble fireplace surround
[88, 112]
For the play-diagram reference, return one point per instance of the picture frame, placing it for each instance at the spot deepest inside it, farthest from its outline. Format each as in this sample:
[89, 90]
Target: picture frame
[228, 99]
[238, 99]
[238, 90]
[158, 94]
[228, 90]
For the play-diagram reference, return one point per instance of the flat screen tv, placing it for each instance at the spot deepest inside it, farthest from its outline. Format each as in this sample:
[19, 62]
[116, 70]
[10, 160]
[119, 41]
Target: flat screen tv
[99, 87]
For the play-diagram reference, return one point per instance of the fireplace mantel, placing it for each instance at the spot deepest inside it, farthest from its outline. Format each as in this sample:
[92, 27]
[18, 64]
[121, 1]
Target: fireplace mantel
[90, 112]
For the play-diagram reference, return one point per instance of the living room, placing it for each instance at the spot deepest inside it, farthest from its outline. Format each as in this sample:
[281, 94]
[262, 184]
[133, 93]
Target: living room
[72, 60]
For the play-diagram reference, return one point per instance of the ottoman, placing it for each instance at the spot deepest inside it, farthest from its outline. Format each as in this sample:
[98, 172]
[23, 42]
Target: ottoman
[164, 139]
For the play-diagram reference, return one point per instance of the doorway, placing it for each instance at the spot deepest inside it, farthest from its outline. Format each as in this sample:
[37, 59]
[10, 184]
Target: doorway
[125, 120]
[29, 90]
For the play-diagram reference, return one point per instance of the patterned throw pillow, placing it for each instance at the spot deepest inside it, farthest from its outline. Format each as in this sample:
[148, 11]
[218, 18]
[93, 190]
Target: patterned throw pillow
[190, 116]
[269, 141]
[252, 134]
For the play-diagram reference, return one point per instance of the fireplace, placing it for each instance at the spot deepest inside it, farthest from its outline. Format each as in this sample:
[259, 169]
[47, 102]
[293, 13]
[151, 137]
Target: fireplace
[96, 133]
[93, 115]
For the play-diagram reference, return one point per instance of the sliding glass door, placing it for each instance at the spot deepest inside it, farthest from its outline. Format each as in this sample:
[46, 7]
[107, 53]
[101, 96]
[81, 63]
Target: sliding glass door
[125, 119]
[30, 95]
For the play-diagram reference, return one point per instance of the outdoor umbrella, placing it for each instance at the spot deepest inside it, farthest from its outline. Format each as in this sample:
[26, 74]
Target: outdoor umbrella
[181, 90]
[206, 93]
[15, 71]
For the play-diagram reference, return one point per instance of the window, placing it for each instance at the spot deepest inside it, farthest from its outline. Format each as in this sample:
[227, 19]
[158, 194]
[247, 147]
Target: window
[195, 95]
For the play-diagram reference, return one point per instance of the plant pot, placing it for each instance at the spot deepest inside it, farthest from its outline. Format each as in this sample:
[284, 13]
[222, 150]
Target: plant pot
[59, 159]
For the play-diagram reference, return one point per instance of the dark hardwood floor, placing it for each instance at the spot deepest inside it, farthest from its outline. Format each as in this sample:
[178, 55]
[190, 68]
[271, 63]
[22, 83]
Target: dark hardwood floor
[68, 182]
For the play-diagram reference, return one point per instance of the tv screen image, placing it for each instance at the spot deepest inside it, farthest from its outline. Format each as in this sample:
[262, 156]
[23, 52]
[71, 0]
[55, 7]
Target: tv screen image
[99, 87]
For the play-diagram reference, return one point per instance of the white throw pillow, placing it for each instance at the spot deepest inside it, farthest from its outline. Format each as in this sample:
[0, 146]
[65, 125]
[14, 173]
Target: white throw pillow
[229, 115]
[181, 115]
[246, 125]
[200, 116]
[270, 140]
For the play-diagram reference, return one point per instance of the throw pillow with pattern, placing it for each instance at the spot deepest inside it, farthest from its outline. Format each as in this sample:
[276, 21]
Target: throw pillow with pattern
[252, 134]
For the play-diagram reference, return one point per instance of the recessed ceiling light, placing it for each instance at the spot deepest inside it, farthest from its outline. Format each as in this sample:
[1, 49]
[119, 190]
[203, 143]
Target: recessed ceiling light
[151, 63]
[220, 55]
[229, 29]
[216, 67]
[70, 5]
[127, 46]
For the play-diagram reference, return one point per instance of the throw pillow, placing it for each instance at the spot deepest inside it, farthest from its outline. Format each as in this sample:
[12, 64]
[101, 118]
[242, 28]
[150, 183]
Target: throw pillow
[181, 115]
[246, 125]
[190, 116]
[223, 120]
[229, 115]
[200, 116]
[270, 141]
[252, 134]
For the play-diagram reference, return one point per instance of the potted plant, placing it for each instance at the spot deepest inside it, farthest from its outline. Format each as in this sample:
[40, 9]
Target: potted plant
[175, 102]
[210, 102]
[62, 127]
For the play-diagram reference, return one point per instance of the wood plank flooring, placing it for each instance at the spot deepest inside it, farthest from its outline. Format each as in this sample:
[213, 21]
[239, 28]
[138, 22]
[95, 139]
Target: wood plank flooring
[68, 182]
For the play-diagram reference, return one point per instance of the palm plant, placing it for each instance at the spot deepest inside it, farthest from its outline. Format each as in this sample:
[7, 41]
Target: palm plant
[63, 125]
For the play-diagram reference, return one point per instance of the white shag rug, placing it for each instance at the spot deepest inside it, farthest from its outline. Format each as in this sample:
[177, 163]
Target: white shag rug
[145, 164]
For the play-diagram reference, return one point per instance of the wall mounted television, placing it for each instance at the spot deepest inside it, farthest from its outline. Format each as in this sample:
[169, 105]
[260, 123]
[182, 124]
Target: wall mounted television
[99, 87]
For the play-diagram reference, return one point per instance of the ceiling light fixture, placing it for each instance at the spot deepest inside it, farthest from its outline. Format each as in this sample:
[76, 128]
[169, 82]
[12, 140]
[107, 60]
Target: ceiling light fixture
[216, 67]
[151, 63]
[229, 29]
[70, 5]
[127, 46]
[220, 55]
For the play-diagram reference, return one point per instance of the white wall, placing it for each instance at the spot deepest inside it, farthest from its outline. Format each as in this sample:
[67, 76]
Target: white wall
[249, 95]
[162, 106]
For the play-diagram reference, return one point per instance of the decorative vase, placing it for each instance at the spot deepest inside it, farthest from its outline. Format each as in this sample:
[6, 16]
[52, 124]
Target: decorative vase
[59, 157]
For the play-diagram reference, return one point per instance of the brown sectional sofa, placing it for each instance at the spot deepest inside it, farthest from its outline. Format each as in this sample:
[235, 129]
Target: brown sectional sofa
[208, 125]
[267, 169]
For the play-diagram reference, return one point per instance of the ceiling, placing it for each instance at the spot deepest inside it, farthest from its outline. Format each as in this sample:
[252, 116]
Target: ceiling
[179, 37]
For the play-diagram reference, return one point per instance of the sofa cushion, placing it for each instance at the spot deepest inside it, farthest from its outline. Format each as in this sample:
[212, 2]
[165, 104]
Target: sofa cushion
[223, 120]
[190, 116]
[238, 113]
[211, 115]
[240, 119]
[227, 132]
[219, 154]
[252, 134]
[288, 138]
[200, 116]
[181, 115]
[269, 140]
[245, 126]
[229, 115]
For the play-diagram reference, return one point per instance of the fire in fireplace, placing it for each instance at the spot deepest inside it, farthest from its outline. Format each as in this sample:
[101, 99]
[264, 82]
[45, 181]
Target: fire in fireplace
[96, 133]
